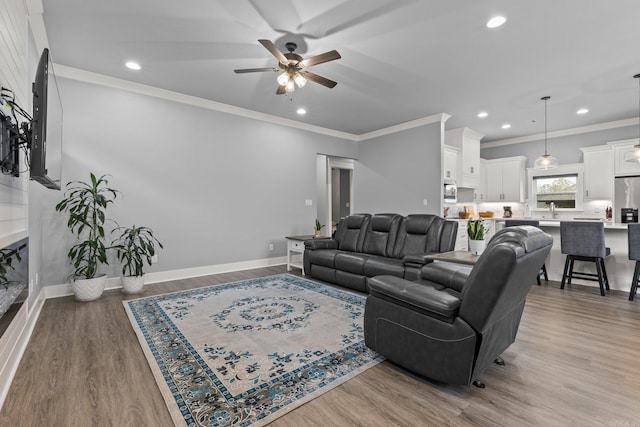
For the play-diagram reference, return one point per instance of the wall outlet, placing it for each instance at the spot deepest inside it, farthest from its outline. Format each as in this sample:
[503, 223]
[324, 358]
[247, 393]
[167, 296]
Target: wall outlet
[308, 202]
[425, 202]
[270, 246]
[154, 259]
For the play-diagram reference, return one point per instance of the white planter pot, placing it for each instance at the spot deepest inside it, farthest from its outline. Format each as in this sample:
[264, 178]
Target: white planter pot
[89, 289]
[477, 246]
[132, 284]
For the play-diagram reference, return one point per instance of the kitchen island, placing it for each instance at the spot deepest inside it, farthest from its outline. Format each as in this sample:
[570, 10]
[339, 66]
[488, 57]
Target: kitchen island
[619, 267]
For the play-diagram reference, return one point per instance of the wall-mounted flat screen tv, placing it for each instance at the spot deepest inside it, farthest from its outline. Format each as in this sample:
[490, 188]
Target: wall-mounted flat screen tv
[45, 155]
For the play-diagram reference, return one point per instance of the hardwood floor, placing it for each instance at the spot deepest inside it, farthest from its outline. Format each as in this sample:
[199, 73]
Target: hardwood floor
[575, 362]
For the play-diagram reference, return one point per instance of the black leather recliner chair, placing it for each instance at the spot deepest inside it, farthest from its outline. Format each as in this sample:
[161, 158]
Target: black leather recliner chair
[453, 322]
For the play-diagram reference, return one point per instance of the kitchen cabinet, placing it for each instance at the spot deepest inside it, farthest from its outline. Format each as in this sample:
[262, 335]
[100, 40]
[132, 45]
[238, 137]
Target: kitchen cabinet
[505, 179]
[598, 172]
[468, 142]
[480, 193]
[450, 164]
[620, 166]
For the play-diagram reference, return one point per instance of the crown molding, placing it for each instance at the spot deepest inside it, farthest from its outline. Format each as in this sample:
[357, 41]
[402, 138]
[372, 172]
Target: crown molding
[113, 82]
[563, 132]
[436, 118]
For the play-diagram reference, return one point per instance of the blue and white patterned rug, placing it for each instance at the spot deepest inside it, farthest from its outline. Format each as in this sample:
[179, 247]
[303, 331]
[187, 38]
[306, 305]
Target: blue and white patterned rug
[246, 353]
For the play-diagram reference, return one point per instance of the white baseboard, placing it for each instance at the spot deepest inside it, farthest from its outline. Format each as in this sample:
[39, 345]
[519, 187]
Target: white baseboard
[63, 290]
[14, 343]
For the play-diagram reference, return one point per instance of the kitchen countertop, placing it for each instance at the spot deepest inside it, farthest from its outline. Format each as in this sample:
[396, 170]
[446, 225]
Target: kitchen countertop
[548, 222]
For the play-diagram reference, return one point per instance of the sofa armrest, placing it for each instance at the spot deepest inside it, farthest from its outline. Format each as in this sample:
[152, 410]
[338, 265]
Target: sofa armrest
[453, 276]
[419, 297]
[314, 244]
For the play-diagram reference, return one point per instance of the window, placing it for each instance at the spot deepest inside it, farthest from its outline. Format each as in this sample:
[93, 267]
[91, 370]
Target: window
[559, 189]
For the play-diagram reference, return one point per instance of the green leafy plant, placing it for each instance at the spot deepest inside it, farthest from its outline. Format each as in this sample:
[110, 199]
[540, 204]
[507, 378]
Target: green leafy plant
[7, 257]
[133, 246]
[476, 229]
[318, 225]
[86, 204]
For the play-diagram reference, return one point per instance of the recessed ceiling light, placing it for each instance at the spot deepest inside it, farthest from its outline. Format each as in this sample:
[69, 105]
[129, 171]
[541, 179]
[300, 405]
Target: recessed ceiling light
[483, 114]
[506, 126]
[582, 111]
[301, 111]
[496, 21]
[133, 65]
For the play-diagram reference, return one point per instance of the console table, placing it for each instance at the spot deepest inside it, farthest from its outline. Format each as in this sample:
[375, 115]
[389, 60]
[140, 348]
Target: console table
[457, 257]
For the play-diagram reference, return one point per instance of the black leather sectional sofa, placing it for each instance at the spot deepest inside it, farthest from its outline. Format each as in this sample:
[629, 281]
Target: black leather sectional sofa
[383, 244]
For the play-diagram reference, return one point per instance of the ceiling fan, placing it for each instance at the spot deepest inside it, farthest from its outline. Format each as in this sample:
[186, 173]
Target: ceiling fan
[293, 67]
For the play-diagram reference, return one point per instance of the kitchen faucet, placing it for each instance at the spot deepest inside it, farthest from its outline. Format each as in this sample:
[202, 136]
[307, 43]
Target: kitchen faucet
[552, 209]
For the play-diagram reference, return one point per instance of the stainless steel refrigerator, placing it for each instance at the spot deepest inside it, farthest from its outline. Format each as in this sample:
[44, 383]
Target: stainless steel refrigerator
[627, 194]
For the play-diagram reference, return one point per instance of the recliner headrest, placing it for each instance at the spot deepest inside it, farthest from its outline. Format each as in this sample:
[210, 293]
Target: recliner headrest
[356, 220]
[419, 224]
[528, 237]
[382, 222]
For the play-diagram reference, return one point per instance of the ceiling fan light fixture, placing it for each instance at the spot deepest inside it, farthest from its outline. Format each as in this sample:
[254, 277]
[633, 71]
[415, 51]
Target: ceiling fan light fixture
[299, 79]
[290, 86]
[633, 155]
[546, 161]
[283, 79]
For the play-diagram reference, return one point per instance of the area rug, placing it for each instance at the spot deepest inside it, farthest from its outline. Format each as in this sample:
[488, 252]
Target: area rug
[248, 352]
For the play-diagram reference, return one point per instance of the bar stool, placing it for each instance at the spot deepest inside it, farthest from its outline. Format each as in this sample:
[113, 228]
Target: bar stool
[634, 255]
[584, 241]
[534, 223]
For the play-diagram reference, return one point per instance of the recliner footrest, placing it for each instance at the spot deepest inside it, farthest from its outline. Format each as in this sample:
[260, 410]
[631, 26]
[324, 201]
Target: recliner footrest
[424, 297]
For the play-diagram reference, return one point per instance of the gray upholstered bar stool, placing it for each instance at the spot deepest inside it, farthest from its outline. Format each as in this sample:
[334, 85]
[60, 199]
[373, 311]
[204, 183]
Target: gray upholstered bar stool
[534, 223]
[584, 241]
[634, 255]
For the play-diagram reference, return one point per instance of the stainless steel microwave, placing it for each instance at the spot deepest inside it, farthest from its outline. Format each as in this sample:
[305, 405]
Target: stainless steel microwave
[450, 193]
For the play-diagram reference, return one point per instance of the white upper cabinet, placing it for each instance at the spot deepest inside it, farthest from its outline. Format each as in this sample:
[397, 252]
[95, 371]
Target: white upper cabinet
[468, 142]
[598, 172]
[505, 179]
[620, 167]
[450, 164]
[480, 193]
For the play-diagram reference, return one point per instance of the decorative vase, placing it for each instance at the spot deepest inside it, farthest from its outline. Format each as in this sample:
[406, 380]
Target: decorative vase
[477, 246]
[89, 289]
[132, 284]
[318, 233]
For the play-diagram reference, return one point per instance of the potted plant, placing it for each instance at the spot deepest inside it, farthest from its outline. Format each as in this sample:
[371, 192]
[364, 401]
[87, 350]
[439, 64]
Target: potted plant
[86, 204]
[318, 228]
[134, 246]
[476, 231]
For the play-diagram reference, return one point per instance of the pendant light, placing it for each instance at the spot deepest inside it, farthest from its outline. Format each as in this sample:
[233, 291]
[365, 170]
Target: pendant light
[546, 161]
[633, 155]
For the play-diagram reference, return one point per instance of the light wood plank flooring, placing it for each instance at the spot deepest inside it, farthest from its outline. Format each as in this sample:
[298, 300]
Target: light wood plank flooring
[575, 362]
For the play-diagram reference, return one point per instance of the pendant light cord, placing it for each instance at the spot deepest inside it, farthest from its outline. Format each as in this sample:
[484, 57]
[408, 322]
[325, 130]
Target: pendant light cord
[545, 99]
[637, 76]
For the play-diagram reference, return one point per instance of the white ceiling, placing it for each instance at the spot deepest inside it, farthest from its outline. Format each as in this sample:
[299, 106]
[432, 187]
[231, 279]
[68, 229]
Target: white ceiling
[401, 59]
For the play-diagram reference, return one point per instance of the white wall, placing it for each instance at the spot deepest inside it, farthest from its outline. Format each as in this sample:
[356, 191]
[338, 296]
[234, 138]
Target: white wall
[396, 172]
[216, 188]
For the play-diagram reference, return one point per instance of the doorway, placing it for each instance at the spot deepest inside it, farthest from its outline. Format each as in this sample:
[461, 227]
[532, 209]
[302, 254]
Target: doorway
[339, 189]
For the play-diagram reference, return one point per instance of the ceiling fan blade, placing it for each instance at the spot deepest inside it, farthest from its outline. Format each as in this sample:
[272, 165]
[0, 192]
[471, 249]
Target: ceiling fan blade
[281, 90]
[319, 79]
[319, 59]
[256, 70]
[268, 44]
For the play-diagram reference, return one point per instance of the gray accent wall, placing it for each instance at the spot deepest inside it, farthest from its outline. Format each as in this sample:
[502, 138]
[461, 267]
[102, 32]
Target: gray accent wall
[216, 188]
[396, 172]
[566, 149]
